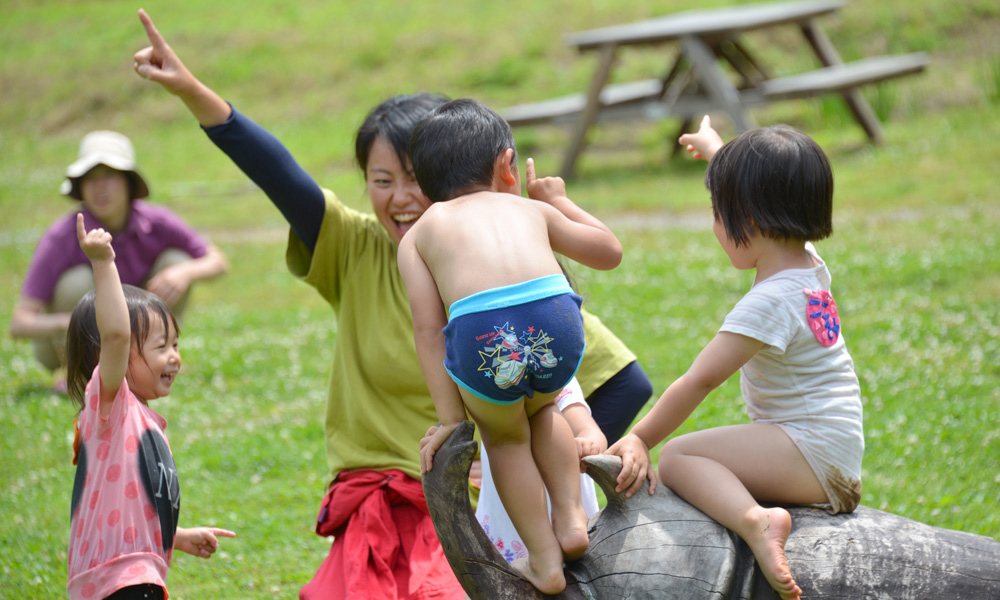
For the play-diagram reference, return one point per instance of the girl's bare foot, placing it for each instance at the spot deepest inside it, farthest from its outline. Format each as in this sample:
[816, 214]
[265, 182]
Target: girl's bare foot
[571, 532]
[553, 583]
[767, 541]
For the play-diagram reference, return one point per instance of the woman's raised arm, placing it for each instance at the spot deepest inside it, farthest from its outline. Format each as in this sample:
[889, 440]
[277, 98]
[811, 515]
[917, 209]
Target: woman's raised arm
[260, 155]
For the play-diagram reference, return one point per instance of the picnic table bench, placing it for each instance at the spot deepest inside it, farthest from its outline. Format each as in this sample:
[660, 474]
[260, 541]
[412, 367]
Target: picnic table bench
[697, 84]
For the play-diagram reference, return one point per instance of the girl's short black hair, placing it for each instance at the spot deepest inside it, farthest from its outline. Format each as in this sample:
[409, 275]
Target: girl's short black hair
[774, 180]
[455, 148]
[83, 339]
[394, 120]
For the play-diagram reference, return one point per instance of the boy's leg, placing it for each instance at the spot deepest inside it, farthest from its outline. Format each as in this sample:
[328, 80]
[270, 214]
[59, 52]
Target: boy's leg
[507, 437]
[556, 456]
[725, 471]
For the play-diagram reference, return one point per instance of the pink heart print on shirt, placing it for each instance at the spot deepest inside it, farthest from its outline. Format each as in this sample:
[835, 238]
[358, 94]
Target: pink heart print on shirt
[821, 314]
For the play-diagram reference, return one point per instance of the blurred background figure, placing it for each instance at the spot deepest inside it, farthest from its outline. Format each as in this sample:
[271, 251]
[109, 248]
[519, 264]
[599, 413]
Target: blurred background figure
[154, 248]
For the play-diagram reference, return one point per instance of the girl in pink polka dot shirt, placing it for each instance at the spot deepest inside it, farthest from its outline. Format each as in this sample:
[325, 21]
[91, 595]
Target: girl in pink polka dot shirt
[121, 353]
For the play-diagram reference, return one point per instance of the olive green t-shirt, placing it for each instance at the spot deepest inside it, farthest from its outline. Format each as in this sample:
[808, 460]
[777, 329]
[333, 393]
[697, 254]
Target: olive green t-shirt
[378, 406]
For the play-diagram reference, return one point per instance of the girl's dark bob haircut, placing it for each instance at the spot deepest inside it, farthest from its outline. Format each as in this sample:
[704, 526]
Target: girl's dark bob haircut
[776, 181]
[83, 339]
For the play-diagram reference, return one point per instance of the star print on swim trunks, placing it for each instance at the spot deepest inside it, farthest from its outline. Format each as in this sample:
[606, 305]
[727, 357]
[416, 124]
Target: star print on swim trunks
[506, 356]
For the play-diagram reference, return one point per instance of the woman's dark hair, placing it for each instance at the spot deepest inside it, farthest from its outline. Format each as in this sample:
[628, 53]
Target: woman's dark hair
[394, 120]
[83, 339]
[455, 148]
[774, 180]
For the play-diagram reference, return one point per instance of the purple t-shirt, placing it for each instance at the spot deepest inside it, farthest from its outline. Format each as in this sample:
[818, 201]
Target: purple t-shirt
[150, 230]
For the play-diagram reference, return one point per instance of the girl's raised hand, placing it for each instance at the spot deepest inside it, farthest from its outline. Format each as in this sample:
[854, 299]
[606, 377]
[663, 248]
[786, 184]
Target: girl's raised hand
[544, 189]
[703, 144]
[158, 62]
[96, 243]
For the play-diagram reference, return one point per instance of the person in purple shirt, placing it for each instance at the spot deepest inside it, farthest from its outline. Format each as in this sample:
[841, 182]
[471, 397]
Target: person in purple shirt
[154, 248]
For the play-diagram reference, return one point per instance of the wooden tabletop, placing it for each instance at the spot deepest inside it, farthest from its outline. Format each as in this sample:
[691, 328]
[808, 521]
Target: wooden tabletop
[703, 23]
[701, 35]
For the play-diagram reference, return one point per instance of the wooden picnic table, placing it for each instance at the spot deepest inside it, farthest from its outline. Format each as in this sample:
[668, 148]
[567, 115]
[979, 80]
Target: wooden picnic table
[696, 83]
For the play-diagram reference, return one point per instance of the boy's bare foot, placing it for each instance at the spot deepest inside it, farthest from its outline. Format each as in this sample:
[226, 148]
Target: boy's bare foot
[553, 583]
[768, 546]
[571, 533]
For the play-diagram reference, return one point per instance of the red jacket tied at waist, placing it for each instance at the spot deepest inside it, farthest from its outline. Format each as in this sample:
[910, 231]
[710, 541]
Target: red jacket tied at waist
[385, 546]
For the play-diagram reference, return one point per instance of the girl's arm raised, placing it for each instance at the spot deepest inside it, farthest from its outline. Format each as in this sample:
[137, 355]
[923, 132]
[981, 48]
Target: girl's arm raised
[111, 311]
[722, 357]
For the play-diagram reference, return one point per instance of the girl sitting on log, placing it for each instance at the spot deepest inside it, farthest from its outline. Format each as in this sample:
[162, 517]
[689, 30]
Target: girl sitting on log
[772, 192]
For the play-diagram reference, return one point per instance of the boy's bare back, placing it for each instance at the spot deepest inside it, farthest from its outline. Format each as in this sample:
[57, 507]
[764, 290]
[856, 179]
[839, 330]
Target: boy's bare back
[485, 240]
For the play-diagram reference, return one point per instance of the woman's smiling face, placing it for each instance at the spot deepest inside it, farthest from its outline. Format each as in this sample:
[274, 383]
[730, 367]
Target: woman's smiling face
[395, 196]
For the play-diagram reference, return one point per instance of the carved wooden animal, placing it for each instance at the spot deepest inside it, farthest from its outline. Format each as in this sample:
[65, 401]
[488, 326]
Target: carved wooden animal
[661, 547]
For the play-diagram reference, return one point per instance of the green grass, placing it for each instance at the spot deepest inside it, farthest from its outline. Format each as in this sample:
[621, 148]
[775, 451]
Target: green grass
[915, 255]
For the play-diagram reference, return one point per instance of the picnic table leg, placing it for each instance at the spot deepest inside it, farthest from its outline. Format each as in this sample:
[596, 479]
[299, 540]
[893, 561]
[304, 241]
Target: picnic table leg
[748, 70]
[749, 58]
[684, 128]
[706, 68]
[668, 101]
[856, 100]
[590, 110]
[672, 74]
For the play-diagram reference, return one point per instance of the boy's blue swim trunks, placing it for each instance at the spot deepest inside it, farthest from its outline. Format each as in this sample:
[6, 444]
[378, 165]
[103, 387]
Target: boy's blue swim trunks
[510, 342]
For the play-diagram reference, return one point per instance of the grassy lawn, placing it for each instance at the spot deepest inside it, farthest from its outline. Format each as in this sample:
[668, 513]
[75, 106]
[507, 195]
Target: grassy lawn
[915, 255]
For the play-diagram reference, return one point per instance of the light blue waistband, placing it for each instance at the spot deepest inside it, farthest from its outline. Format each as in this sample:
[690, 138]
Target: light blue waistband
[510, 295]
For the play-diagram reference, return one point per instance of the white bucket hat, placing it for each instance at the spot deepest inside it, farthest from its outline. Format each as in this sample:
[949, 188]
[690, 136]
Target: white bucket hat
[104, 148]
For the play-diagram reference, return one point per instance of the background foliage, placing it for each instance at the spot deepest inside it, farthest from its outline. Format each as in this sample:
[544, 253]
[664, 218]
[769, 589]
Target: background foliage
[914, 256]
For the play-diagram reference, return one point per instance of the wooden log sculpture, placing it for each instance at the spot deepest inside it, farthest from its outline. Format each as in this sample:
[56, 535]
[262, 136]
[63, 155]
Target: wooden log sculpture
[661, 547]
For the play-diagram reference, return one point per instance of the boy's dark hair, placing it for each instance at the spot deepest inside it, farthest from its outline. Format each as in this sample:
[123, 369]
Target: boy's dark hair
[83, 339]
[774, 180]
[456, 147]
[394, 120]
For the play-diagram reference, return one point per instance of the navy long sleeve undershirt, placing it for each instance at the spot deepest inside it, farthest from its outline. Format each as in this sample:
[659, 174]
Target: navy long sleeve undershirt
[270, 165]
